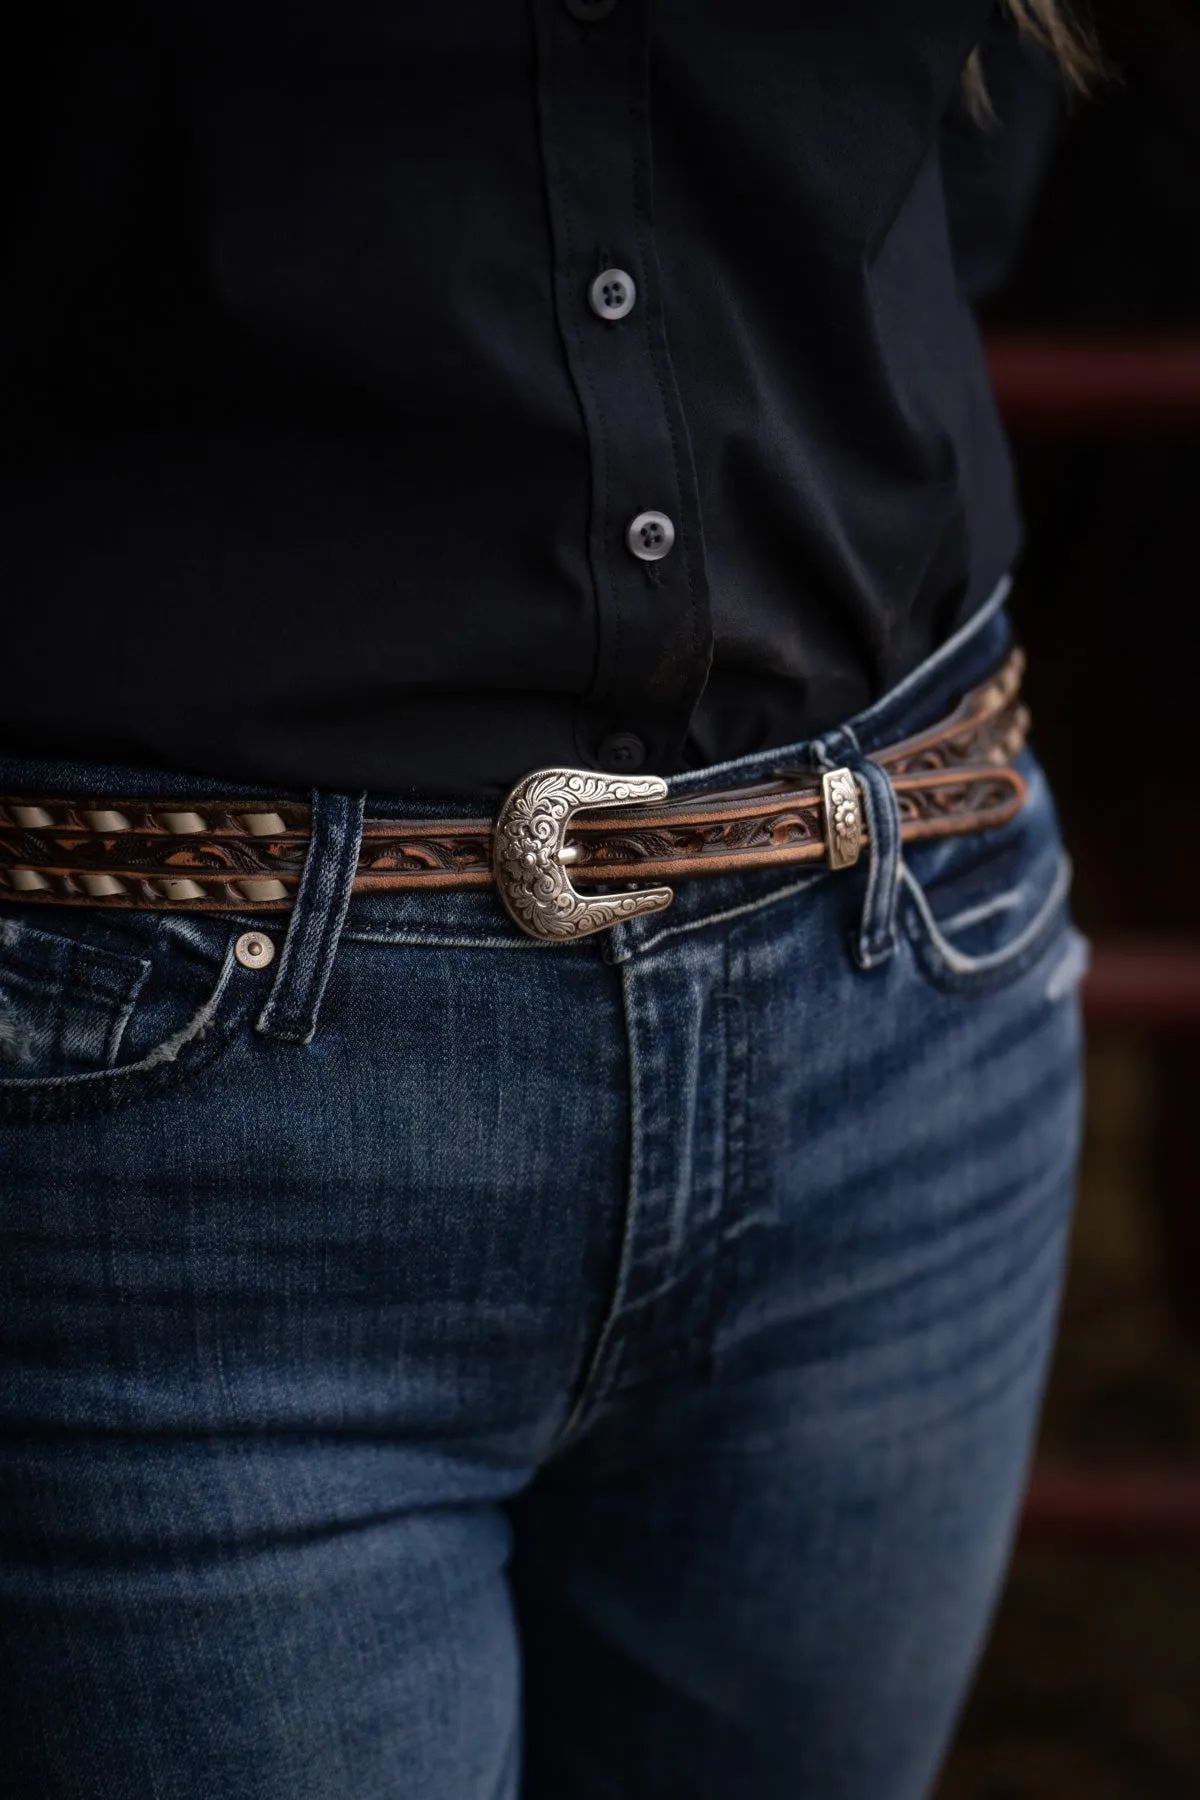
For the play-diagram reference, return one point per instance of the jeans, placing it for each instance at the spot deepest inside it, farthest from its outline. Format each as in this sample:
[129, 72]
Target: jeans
[442, 1366]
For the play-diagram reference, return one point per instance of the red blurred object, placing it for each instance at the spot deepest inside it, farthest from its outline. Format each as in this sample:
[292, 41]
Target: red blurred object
[1153, 984]
[1112, 1504]
[1081, 382]
[1155, 988]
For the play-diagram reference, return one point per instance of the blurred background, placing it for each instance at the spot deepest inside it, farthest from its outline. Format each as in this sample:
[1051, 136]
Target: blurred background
[1090, 1685]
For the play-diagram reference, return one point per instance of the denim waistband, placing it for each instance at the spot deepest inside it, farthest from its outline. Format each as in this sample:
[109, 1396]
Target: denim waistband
[326, 910]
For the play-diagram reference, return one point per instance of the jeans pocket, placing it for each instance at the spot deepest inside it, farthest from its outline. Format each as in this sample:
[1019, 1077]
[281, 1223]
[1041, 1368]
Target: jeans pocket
[64, 1004]
[981, 912]
[98, 1008]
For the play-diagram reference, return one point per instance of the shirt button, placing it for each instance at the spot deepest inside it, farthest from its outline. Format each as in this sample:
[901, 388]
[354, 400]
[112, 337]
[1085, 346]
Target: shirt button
[621, 751]
[590, 11]
[612, 294]
[650, 536]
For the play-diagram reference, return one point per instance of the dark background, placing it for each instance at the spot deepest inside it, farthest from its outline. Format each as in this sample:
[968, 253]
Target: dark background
[1090, 1685]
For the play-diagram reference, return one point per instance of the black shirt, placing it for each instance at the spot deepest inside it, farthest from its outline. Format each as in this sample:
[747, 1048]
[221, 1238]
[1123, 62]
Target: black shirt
[408, 395]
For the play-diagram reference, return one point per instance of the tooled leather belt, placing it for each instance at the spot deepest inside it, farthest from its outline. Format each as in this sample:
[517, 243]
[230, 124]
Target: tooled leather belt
[235, 856]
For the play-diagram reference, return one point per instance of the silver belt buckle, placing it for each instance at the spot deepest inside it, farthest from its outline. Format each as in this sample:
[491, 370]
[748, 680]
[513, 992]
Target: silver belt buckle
[530, 857]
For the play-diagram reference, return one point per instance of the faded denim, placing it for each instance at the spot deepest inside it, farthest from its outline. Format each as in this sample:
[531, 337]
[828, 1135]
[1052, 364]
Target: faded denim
[443, 1367]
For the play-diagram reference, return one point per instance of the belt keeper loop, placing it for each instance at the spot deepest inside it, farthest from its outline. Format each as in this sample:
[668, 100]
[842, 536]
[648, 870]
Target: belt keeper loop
[315, 925]
[875, 940]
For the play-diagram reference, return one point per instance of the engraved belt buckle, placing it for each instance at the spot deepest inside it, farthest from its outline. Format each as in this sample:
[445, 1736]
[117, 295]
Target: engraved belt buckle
[529, 854]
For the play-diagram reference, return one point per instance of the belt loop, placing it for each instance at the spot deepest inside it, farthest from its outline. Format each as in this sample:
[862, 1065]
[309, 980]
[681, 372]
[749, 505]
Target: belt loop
[876, 938]
[315, 925]
[877, 932]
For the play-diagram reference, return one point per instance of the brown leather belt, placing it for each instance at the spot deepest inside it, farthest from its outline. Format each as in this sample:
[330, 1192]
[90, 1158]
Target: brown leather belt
[235, 856]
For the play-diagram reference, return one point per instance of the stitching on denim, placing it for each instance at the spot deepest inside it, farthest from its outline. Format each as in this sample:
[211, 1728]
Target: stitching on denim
[435, 940]
[877, 937]
[987, 909]
[38, 1105]
[291, 1010]
[731, 912]
[279, 1003]
[335, 897]
[205, 1036]
[594, 1379]
[112, 1048]
[961, 965]
[834, 748]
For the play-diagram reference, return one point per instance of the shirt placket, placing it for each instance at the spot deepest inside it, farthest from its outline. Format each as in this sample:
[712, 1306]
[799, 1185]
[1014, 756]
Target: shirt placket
[646, 552]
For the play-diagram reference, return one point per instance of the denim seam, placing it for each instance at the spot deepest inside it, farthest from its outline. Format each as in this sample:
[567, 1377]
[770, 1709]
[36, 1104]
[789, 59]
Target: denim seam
[435, 940]
[112, 1048]
[877, 935]
[594, 1383]
[719, 918]
[205, 1036]
[306, 962]
[957, 973]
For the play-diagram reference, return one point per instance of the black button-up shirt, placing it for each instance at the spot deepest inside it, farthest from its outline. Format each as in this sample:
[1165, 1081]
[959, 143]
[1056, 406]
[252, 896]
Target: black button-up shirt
[405, 396]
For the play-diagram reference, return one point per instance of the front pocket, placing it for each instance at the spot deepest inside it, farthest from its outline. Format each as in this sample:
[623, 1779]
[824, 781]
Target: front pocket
[980, 912]
[64, 1005]
[92, 1027]
[961, 971]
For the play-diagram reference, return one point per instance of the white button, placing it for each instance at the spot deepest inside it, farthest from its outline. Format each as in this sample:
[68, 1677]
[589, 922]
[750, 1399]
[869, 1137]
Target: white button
[254, 950]
[612, 294]
[650, 536]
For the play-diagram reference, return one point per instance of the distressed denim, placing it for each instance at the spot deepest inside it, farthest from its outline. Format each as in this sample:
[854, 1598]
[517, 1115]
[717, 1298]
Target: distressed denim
[439, 1366]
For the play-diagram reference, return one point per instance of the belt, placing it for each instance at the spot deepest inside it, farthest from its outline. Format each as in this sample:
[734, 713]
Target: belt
[623, 831]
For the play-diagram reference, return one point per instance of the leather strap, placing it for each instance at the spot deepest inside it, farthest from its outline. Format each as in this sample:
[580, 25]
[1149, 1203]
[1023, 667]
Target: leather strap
[222, 856]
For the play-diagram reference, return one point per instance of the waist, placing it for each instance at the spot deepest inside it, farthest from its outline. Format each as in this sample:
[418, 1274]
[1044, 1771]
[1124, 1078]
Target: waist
[82, 833]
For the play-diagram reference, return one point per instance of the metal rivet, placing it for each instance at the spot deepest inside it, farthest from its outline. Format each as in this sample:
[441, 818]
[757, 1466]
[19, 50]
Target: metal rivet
[253, 950]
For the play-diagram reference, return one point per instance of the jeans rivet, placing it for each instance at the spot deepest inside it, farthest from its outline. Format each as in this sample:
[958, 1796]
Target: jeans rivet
[253, 950]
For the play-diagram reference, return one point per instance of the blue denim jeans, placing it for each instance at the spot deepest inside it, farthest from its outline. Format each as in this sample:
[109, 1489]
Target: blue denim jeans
[439, 1366]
